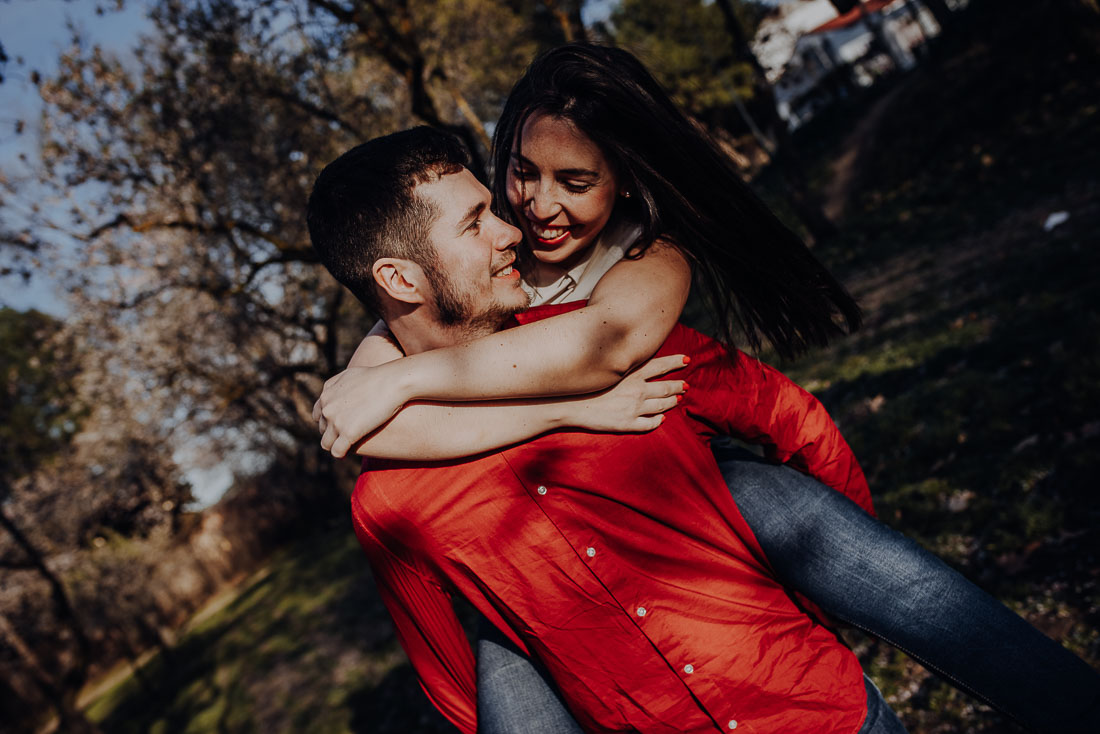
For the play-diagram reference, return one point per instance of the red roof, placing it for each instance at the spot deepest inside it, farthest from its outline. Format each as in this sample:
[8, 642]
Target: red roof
[852, 16]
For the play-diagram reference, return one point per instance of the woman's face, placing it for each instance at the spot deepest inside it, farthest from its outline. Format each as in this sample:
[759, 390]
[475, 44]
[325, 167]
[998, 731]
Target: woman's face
[561, 188]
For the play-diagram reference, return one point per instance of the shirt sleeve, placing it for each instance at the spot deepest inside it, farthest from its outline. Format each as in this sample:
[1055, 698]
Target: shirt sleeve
[429, 631]
[745, 398]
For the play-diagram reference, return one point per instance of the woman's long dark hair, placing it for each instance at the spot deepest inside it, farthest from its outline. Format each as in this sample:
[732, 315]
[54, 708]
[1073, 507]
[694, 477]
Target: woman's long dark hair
[756, 273]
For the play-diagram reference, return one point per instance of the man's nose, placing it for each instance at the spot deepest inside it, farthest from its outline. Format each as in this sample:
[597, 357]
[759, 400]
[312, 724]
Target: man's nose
[508, 237]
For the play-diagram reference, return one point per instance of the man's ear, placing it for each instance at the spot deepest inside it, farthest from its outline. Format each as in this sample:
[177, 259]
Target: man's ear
[401, 280]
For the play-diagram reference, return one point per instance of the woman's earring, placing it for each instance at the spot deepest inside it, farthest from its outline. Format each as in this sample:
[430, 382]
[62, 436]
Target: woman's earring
[626, 194]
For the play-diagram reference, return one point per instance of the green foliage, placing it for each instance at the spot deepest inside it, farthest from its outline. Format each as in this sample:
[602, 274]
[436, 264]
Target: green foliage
[39, 409]
[687, 47]
[304, 645]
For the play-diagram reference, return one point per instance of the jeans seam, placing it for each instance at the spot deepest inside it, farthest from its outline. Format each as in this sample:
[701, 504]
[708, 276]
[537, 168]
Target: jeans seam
[938, 671]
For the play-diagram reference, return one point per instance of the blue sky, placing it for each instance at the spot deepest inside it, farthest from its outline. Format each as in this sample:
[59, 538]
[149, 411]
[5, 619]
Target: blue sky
[34, 34]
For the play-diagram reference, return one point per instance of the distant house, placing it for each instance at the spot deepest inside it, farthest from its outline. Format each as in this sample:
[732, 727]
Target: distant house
[812, 56]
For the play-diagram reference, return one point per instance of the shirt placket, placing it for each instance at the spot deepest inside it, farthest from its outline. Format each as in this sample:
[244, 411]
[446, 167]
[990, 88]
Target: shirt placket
[600, 562]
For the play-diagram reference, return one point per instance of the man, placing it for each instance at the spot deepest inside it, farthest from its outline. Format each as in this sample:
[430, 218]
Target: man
[620, 562]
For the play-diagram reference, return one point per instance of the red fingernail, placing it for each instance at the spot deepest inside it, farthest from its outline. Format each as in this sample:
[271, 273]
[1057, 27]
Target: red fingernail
[679, 398]
[687, 359]
[685, 387]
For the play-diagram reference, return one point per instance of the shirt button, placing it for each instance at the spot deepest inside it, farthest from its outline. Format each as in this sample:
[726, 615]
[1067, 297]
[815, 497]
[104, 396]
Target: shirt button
[733, 723]
[641, 611]
[689, 668]
[591, 552]
[541, 489]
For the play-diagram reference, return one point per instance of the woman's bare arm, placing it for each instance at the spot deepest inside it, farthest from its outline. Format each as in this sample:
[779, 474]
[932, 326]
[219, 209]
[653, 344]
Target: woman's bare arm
[434, 431]
[632, 310]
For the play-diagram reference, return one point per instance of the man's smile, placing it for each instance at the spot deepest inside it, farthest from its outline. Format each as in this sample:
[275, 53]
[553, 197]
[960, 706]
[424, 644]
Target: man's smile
[508, 272]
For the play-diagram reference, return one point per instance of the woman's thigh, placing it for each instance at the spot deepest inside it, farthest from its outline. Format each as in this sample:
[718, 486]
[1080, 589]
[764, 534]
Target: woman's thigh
[857, 569]
[514, 695]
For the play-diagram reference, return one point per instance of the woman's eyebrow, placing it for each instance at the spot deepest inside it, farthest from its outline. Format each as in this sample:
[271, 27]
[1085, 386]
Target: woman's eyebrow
[582, 172]
[578, 173]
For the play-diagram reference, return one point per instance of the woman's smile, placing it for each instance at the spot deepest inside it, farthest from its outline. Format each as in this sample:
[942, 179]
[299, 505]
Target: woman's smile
[561, 188]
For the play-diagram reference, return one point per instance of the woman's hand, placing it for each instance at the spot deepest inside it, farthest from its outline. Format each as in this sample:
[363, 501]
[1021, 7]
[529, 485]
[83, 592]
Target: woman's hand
[353, 404]
[635, 405]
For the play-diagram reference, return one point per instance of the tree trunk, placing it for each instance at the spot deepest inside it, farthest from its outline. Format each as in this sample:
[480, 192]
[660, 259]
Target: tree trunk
[569, 18]
[391, 33]
[77, 674]
[801, 198]
[62, 699]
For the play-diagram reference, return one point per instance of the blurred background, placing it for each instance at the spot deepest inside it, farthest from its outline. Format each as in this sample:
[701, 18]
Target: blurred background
[175, 549]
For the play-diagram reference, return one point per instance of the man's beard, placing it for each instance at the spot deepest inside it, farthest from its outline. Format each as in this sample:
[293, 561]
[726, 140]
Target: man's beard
[456, 308]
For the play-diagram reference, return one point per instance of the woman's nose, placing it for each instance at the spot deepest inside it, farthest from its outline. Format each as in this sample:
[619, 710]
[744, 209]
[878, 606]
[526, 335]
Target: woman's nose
[542, 204]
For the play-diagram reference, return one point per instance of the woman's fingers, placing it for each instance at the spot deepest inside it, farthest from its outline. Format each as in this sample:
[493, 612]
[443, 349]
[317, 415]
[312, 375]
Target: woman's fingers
[664, 389]
[648, 422]
[660, 405]
[662, 365]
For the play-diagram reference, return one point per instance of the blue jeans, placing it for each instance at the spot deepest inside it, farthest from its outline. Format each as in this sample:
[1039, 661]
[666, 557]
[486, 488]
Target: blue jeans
[863, 573]
[874, 578]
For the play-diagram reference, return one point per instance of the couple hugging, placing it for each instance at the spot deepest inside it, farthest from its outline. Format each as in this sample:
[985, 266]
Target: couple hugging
[630, 576]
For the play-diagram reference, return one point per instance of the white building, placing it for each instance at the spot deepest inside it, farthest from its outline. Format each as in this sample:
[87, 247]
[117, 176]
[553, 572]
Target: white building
[811, 55]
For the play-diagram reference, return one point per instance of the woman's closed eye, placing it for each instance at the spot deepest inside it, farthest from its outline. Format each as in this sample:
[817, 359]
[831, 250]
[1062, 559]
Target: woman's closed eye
[577, 187]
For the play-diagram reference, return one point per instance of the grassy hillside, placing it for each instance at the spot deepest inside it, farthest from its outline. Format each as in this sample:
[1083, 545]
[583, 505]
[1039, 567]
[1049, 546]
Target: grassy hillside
[973, 394]
[303, 646]
[972, 397]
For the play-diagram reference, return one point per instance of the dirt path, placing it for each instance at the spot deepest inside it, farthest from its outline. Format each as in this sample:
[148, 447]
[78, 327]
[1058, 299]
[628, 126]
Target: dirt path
[852, 154]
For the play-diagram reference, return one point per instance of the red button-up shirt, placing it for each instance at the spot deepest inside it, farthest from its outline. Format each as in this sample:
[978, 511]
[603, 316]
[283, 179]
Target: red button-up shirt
[622, 563]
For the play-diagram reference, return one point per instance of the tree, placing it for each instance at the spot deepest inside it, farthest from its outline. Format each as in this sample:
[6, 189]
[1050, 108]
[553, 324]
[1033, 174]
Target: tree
[802, 199]
[115, 479]
[194, 171]
[688, 51]
[39, 415]
[39, 408]
[566, 14]
[205, 320]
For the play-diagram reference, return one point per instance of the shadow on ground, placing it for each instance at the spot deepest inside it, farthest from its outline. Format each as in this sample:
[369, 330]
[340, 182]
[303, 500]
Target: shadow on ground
[305, 647]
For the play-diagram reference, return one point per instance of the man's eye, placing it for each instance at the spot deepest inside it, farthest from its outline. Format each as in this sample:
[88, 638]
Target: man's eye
[475, 226]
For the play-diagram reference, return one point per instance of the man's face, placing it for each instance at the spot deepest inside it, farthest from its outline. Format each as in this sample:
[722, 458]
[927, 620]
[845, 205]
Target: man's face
[475, 284]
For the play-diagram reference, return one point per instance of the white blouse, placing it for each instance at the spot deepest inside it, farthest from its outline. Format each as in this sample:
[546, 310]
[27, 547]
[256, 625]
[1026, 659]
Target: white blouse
[550, 284]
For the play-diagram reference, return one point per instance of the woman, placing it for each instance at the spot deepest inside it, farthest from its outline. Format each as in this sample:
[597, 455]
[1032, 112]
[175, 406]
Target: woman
[621, 201]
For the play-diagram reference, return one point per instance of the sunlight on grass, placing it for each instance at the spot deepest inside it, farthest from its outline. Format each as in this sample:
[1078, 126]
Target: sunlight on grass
[297, 650]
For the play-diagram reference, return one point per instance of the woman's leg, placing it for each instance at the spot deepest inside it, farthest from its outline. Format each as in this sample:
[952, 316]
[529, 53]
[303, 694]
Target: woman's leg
[514, 696]
[881, 719]
[855, 568]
